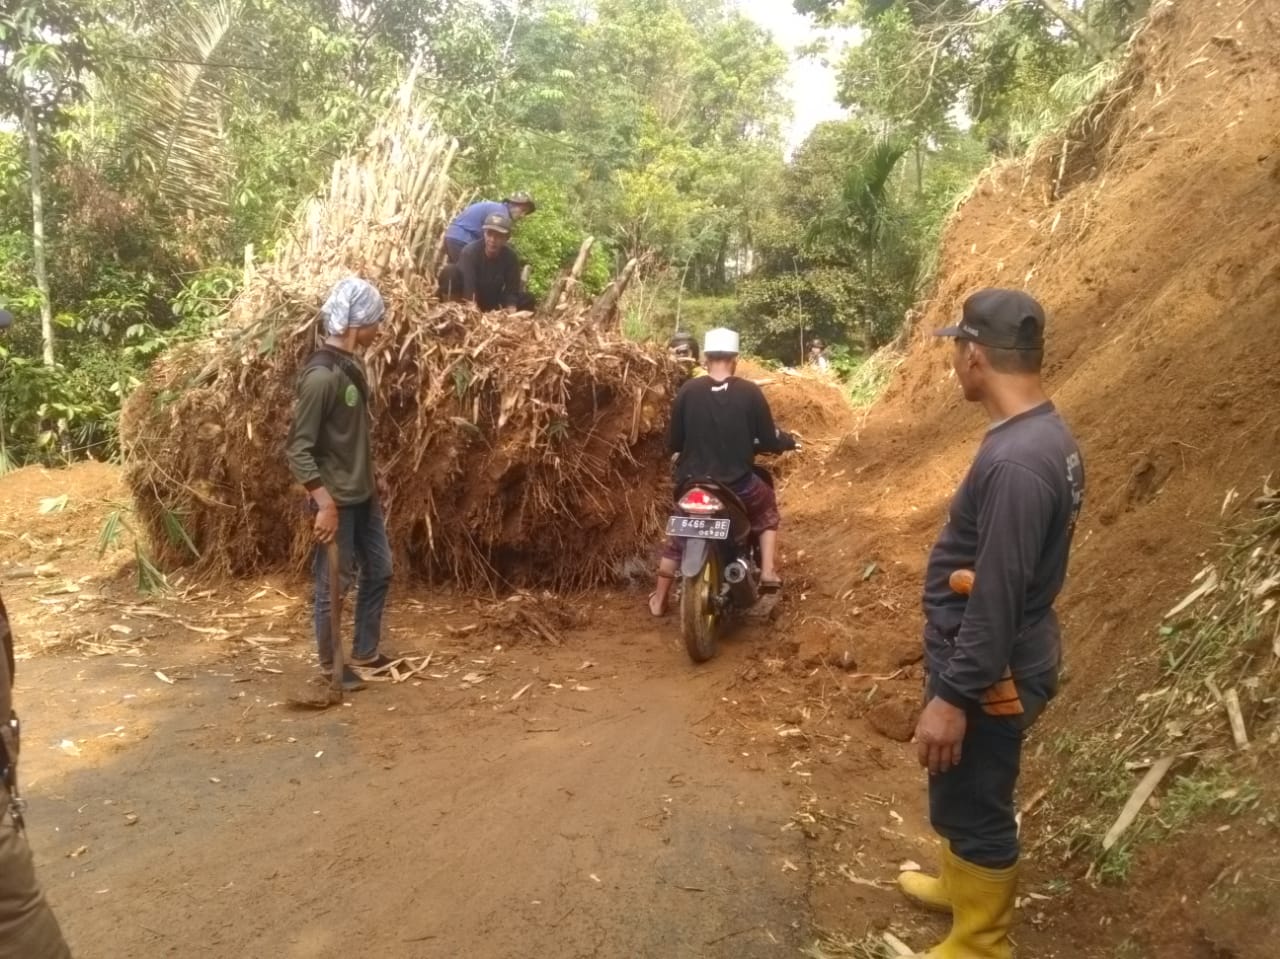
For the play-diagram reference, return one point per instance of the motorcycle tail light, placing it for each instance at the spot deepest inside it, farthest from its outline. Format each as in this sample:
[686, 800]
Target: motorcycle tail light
[700, 502]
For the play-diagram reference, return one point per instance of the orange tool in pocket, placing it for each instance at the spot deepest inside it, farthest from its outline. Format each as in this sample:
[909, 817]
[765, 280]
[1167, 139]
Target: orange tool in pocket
[1002, 699]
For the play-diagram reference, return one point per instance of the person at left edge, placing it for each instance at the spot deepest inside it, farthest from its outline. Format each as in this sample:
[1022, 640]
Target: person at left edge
[28, 927]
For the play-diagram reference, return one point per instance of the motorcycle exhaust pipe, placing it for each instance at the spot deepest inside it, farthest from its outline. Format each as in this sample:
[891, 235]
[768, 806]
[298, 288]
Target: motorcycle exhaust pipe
[741, 586]
[736, 572]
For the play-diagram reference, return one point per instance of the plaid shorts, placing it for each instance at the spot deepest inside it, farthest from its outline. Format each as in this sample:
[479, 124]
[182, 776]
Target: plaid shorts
[761, 502]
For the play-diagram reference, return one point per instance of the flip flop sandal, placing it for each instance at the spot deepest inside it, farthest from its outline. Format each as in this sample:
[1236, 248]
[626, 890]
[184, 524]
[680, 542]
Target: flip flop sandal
[666, 609]
[769, 587]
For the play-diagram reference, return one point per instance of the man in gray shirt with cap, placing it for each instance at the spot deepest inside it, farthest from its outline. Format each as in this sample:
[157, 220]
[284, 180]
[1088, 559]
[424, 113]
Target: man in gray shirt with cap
[992, 641]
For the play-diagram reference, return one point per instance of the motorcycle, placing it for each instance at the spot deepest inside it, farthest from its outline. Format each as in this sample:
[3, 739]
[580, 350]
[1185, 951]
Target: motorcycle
[719, 574]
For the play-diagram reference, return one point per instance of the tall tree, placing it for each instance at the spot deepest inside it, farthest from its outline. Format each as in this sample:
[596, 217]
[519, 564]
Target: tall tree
[42, 54]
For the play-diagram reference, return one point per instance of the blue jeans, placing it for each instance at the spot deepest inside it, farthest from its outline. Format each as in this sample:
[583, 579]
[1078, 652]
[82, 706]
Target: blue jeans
[972, 805]
[363, 546]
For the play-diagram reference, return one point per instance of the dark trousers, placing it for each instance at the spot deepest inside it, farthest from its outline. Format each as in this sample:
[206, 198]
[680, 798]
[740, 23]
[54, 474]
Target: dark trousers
[453, 249]
[450, 282]
[362, 547]
[28, 929]
[972, 805]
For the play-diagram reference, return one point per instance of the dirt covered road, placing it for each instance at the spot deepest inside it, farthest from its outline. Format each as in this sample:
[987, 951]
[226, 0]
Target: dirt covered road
[512, 802]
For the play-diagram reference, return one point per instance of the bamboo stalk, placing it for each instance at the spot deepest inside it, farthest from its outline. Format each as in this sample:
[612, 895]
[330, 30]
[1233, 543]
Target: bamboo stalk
[604, 312]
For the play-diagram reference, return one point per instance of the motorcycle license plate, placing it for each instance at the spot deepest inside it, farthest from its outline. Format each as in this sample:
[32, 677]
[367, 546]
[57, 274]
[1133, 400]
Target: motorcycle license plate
[698, 527]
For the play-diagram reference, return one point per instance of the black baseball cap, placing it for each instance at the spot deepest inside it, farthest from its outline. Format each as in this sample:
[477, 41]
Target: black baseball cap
[521, 198]
[6, 319]
[497, 223]
[1003, 319]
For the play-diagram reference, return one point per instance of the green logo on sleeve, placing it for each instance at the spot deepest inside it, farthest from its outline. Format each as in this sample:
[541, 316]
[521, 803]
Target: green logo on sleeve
[352, 396]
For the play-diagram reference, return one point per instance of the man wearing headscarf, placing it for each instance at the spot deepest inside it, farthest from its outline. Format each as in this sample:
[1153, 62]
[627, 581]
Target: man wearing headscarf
[330, 453]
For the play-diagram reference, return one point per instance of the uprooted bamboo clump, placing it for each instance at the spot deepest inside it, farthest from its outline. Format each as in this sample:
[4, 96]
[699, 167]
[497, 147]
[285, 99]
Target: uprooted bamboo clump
[517, 449]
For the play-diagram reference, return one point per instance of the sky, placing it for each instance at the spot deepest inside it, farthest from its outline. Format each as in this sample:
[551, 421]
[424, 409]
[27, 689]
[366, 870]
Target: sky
[812, 86]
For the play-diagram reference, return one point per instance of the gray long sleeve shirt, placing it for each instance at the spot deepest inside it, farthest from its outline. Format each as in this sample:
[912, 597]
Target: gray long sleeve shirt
[1011, 522]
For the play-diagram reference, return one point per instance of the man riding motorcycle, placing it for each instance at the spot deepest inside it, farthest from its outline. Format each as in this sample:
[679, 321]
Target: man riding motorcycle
[718, 423]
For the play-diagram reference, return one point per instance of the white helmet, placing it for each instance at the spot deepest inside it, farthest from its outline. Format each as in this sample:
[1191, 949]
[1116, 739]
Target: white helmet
[721, 341]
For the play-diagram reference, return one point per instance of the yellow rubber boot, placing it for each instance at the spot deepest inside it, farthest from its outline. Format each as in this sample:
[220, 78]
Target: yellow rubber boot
[982, 905]
[928, 891]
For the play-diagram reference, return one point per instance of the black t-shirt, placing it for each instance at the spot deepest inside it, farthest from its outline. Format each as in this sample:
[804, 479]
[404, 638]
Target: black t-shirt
[492, 283]
[1011, 522]
[716, 426]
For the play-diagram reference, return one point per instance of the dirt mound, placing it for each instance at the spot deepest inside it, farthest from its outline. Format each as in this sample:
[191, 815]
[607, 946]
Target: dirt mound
[1160, 320]
[1150, 232]
[45, 512]
[516, 449]
[802, 402]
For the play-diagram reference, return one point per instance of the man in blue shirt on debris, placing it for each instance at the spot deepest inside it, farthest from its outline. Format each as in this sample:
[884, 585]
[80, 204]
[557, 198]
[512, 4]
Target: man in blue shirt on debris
[468, 226]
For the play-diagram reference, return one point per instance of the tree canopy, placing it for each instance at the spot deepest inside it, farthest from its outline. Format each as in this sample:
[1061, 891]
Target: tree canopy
[145, 144]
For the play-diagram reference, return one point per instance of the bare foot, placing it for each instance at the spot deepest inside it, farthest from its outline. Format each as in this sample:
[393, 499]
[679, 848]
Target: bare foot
[657, 606]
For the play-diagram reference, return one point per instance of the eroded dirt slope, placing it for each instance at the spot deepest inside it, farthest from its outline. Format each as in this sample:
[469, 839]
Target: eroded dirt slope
[1151, 232]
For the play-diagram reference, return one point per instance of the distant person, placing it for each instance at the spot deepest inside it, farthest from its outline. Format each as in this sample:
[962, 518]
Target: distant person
[488, 271]
[28, 927]
[818, 356]
[992, 644]
[684, 350]
[330, 452]
[468, 226]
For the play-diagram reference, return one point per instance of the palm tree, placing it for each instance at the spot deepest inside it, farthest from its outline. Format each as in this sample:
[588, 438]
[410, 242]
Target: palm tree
[864, 223]
[863, 217]
[177, 116]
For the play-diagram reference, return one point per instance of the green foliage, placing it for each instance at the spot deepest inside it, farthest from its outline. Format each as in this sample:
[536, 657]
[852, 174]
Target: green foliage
[697, 314]
[649, 123]
[44, 50]
[851, 227]
[903, 71]
[174, 134]
[549, 240]
[114, 529]
[205, 299]
[177, 109]
[841, 253]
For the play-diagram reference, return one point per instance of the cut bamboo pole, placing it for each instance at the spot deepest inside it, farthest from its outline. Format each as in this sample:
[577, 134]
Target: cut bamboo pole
[1150, 782]
[604, 313]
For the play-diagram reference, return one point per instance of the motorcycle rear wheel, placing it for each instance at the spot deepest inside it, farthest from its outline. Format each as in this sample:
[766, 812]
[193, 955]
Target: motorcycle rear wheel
[699, 618]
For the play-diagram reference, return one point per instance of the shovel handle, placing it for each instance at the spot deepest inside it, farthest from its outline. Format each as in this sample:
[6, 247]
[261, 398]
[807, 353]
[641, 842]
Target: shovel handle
[332, 557]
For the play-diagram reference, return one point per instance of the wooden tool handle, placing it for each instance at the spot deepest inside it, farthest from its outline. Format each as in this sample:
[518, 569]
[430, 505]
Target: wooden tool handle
[333, 559]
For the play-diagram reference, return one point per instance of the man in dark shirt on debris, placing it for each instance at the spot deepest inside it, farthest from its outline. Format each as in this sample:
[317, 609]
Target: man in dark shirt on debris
[992, 644]
[488, 271]
[468, 226]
